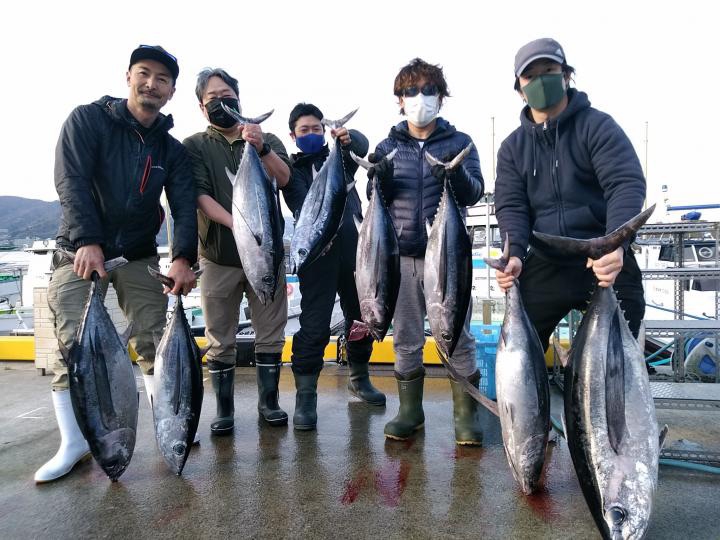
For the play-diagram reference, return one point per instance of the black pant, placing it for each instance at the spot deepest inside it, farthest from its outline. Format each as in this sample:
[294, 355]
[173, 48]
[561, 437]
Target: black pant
[332, 273]
[550, 291]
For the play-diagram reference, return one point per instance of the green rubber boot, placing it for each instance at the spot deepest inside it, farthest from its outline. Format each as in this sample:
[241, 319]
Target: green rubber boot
[223, 382]
[410, 417]
[466, 413]
[305, 416]
[268, 377]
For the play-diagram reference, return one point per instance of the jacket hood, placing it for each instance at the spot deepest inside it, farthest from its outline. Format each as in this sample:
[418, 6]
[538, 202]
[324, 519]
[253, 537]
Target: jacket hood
[443, 129]
[577, 101]
[116, 108]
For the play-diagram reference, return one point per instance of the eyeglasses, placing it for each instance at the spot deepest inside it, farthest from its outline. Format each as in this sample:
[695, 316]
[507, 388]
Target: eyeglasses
[159, 49]
[426, 90]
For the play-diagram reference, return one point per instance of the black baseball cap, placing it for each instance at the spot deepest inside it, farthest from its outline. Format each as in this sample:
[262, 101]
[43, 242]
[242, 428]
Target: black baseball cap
[157, 53]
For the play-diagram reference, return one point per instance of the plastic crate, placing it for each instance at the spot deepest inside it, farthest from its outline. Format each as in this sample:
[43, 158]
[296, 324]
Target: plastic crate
[486, 340]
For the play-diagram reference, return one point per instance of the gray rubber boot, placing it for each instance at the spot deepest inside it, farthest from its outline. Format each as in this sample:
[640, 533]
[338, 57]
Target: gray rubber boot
[411, 416]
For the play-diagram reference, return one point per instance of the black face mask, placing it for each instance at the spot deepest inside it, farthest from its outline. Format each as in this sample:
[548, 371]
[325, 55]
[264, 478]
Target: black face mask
[217, 116]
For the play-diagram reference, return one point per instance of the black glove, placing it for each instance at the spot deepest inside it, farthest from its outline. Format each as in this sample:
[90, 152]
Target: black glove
[384, 169]
[440, 172]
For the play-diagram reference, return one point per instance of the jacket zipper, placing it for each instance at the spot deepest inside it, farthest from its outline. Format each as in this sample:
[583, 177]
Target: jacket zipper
[556, 187]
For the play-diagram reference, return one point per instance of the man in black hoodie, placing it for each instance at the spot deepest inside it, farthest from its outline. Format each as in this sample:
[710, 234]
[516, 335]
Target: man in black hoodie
[113, 160]
[332, 273]
[568, 170]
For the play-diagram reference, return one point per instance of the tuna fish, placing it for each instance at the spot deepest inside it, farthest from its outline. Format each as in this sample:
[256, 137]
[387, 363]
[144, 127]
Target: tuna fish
[523, 392]
[102, 384]
[448, 267]
[257, 223]
[377, 262]
[609, 418]
[178, 395]
[321, 213]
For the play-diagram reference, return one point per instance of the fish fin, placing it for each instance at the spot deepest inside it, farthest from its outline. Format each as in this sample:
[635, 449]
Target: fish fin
[127, 334]
[442, 270]
[428, 228]
[348, 187]
[360, 161]
[162, 278]
[231, 176]
[114, 264]
[432, 160]
[615, 384]
[334, 124]
[243, 120]
[663, 436]
[315, 172]
[469, 388]
[357, 222]
[595, 248]
[326, 248]
[501, 263]
[256, 235]
[562, 353]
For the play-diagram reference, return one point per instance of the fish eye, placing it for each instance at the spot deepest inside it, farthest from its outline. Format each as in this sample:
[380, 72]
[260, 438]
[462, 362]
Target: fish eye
[179, 448]
[617, 515]
[303, 252]
[446, 336]
[268, 279]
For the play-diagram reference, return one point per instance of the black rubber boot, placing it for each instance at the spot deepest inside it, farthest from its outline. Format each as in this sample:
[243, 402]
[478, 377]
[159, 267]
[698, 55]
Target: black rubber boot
[305, 416]
[223, 382]
[466, 413]
[360, 386]
[268, 376]
[411, 416]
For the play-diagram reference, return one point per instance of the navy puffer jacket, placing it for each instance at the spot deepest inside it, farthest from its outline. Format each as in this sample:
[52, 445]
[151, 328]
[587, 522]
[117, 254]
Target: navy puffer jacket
[414, 194]
[578, 176]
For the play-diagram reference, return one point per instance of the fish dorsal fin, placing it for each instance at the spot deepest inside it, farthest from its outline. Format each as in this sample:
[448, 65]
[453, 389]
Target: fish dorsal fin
[615, 383]
[663, 436]
[127, 334]
[562, 353]
[231, 176]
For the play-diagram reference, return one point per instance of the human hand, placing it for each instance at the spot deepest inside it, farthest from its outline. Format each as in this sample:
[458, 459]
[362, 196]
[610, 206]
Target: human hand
[183, 277]
[252, 134]
[607, 267]
[341, 134]
[506, 279]
[89, 259]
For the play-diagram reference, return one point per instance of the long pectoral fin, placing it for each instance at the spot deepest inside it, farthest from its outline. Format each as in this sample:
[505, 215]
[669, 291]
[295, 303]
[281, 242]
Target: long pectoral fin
[615, 383]
[442, 270]
[663, 436]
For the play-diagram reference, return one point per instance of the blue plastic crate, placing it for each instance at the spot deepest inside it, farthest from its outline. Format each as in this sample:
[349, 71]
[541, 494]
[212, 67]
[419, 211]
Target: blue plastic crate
[485, 358]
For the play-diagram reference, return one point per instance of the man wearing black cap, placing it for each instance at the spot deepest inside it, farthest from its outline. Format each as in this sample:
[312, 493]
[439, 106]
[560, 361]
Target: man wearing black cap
[113, 160]
[568, 170]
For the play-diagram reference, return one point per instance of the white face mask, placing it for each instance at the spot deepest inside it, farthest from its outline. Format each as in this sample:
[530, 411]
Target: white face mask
[420, 110]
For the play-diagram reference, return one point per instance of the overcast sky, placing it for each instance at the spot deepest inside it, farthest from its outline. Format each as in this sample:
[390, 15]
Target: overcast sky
[640, 61]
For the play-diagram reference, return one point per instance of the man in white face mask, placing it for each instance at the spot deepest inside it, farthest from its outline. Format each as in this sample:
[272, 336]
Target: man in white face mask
[412, 191]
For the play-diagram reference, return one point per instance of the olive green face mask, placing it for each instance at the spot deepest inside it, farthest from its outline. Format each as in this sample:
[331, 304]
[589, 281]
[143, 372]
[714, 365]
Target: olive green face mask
[544, 91]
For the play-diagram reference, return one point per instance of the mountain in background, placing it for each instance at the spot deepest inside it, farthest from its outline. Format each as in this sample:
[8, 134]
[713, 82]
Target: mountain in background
[36, 220]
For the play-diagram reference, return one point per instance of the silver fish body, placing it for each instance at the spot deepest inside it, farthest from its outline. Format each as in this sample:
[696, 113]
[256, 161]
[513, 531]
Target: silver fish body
[178, 395]
[448, 274]
[257, 225]
[610, 421]
[102, 387]
[523, 394]
[377, 266]
[321, 213]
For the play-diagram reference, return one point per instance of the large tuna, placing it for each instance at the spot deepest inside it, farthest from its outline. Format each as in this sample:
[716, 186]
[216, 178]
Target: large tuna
[102, 384]
[523, 392]
[177, 399]
[257, 223]
[322, 210]
[610, 421]
[377, 262]
[448, 267]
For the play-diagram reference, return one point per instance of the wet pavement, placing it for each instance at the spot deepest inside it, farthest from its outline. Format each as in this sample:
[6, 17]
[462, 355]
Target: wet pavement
[343, 480]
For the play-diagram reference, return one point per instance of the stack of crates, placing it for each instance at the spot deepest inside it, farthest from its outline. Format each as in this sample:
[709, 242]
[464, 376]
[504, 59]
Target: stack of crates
[486, 341]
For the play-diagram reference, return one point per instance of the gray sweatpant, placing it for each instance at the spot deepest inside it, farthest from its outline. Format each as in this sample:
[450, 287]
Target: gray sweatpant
[409, 324]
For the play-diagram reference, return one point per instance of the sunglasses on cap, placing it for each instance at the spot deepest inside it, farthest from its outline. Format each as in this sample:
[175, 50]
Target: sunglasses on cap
[426, 90]
[159, 49]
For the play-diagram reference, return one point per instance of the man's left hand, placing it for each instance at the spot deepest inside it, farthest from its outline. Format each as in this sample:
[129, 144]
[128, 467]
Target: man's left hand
[607, 267]
[341, 134]
[252, 133]
[183, 276]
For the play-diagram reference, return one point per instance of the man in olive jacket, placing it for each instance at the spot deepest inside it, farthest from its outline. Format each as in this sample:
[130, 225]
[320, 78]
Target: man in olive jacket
[224, 282]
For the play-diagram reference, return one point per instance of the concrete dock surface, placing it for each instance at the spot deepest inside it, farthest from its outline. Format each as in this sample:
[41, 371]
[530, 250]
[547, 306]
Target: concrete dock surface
[342, 481]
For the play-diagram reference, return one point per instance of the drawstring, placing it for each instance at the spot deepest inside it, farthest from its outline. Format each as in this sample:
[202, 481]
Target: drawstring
[534, 153]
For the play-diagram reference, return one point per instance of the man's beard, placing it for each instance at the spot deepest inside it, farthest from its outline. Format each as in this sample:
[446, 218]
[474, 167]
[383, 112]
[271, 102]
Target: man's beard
[149, 104]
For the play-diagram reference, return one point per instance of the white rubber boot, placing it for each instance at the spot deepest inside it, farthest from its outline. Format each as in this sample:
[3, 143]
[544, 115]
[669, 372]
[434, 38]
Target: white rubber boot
[73, 446]
[149, 382]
